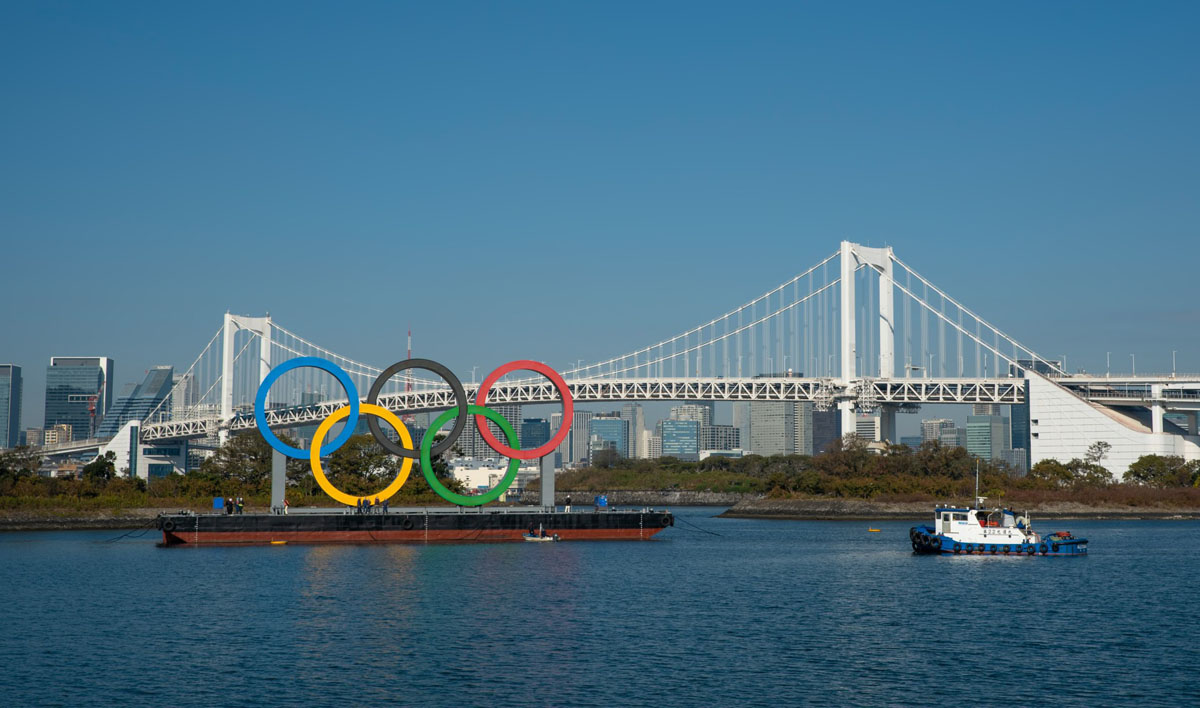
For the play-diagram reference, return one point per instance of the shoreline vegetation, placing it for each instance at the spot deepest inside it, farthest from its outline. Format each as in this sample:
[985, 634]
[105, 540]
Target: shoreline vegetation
[845, 482]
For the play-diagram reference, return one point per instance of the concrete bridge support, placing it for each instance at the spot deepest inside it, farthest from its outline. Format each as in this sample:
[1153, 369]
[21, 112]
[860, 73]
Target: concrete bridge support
[887, 425]
[1156, 409]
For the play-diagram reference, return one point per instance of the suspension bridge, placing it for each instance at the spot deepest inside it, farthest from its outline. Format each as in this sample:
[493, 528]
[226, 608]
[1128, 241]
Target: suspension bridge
[861, 331]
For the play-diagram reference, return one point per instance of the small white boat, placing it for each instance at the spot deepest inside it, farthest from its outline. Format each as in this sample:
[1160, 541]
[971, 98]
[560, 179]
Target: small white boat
[540, 539]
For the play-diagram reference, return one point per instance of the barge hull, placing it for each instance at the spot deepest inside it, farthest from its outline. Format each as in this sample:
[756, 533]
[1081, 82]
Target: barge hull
[436, 527]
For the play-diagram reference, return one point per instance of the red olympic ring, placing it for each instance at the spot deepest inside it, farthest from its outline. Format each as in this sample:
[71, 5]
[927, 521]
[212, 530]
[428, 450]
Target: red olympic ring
[568, 409]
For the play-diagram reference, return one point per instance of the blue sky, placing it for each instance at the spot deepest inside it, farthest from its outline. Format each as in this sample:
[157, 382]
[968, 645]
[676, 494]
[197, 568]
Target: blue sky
[561, 181]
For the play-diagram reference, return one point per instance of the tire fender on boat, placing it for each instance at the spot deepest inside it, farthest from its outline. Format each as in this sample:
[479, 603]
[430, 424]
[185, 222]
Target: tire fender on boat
[666, 520]
[407, 524]
[1054, 547]
[958, 548]
[168, 525]
[1042, 549]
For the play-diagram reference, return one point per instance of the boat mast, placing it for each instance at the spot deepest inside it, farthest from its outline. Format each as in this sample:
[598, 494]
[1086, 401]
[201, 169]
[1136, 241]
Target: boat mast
[978, 500]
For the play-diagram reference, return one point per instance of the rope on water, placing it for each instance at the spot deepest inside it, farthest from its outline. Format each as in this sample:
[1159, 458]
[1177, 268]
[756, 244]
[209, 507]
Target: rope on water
[140, 531]
[711, 533]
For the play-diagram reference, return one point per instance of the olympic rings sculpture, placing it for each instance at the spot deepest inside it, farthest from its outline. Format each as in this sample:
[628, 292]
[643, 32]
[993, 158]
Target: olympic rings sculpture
[425, 450]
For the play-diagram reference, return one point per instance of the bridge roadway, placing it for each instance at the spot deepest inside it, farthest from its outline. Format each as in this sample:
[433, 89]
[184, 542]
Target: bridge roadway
[1173, 392]
[865, 392]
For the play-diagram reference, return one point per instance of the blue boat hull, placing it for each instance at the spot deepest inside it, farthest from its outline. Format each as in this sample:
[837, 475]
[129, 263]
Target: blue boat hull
[926, 540]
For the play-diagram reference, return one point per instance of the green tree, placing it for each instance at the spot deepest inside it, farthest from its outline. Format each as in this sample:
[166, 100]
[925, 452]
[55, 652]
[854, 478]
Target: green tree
[1077, 472]
[605, 459]
[245, 460]
[21, 461]
[847, 457]
[102, 469]
[362, 466]
[1096, 452]
[1164, 471]
[1051, 472]
[937, 460]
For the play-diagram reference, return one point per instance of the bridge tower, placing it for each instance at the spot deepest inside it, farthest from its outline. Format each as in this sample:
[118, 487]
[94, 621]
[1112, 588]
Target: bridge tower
[854, 256]
[260, 326]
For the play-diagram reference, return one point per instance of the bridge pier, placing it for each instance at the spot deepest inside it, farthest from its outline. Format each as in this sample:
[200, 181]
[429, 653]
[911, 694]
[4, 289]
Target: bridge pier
[1156, 408]
[548, 482]
[278, 479]
[849, 416]
[887, 425]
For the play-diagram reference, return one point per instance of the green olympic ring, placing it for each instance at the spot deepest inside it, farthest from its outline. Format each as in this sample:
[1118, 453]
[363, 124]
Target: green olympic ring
[427, 463]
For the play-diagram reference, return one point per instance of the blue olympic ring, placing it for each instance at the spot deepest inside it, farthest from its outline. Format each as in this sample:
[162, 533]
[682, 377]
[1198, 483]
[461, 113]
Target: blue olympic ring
[260, 405]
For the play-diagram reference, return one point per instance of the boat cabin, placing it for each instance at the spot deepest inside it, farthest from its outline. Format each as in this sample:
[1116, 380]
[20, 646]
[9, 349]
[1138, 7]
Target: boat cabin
[987, 524]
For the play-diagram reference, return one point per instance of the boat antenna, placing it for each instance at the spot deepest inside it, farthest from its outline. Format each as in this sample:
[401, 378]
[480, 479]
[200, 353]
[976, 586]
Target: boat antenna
[978, 499]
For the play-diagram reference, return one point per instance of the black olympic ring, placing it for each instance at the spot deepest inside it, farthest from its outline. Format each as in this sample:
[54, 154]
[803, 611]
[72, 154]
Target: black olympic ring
[460, 421]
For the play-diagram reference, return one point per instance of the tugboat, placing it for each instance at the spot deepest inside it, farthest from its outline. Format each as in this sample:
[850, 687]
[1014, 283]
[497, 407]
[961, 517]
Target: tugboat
[989, 531]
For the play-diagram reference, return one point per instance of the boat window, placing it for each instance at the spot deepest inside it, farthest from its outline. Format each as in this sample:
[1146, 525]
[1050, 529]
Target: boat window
[946, 516]
[960, 517]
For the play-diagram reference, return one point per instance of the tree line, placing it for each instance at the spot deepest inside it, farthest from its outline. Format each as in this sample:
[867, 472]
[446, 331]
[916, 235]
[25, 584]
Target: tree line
[240, 467]
[847, 468]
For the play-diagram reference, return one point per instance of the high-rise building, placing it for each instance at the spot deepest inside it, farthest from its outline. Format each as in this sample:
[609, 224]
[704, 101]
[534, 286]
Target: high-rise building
[78, 393]
[913, 441]
[1018, 459]
[988, 436]
[699, 412]
[986, 409]
[472, 444]
[827, 427]
[138, 403]
[680, 439]
[633, 415]
[580, 442]
[804, 428]
[932, 429]
[867, 427]
[10, 406]
[608, 432]
[720, 437]
[741, 420]
[772, 428]
[37, 437]
[183, 393]
[654, 445]
[562, 453]
[535, 432]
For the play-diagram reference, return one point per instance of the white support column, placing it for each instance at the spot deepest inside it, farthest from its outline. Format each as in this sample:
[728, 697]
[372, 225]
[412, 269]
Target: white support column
[264, 353]
[887, 425]
[848, 415]
[849, 372]
[547, 495]
[1156, 408]
[226, 379]
[1193, 419]
[887, 322]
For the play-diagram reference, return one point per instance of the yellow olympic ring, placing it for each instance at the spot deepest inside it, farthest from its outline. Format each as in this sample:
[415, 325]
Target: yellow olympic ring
[314, 455]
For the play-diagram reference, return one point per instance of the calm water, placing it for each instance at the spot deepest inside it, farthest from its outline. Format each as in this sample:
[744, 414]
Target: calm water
[767, 613]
